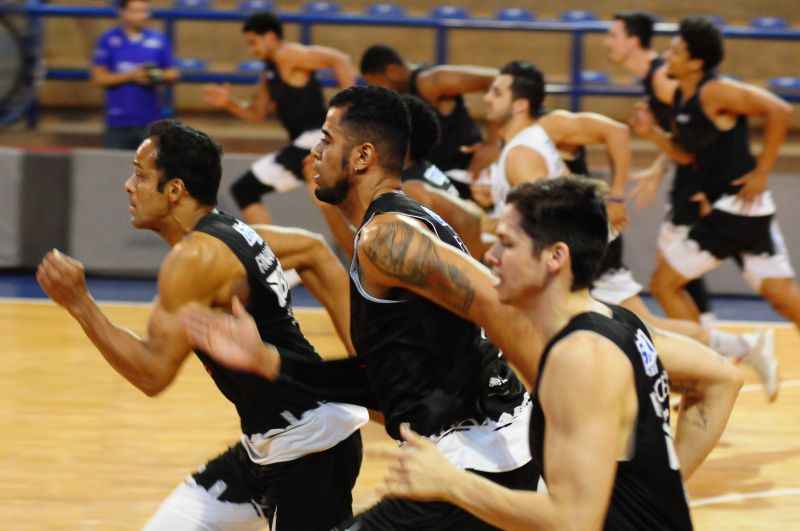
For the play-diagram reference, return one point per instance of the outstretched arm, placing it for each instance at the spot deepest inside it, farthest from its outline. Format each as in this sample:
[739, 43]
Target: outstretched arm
[317, 57]
[454, 80]
[149, 363]
[318, 267]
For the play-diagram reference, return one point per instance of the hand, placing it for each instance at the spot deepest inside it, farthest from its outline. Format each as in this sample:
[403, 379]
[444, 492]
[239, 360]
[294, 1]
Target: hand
[217, 95]
[232, 340]
[753, 185]
[417, 470]
[703, 203]
[647, 183]
[139, 75]
[483, 154]
[617, 216]
[642, 120]
[63, 279]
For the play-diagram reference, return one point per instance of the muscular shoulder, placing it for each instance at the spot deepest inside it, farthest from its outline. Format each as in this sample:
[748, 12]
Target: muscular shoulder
[588, 361]
[193, 270]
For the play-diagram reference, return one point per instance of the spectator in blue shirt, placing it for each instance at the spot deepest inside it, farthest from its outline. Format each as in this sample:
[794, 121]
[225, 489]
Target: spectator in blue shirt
[129, 61]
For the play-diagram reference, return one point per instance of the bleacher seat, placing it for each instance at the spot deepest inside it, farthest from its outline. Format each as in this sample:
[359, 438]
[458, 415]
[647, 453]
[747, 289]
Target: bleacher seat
[322, 8]
[785, 85]
[255, 6]
[386, 11]
[190, 64]
[593, 77]
[192, 4]
[250, 66]
[456, 12]
[515, 14]
[326, 77]
[577, 15]
[769, 23]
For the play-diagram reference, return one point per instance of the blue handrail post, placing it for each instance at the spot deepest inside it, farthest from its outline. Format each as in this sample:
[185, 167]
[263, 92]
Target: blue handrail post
[441, 44]
[168, 103]
[33, 41]
[305, 32]
[576, 83]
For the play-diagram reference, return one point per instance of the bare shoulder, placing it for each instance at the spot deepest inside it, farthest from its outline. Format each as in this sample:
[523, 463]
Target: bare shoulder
[192, 269]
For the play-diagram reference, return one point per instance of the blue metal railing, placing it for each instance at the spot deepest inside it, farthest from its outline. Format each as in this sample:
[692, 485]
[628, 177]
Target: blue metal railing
[575, 89]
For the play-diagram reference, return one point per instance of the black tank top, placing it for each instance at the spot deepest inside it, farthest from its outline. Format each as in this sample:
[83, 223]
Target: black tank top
[458, 129]
[661, 111]
[429, 174]
[425, 365]
[299, 109]
[261, 404]
[720, 156]
[648, 489]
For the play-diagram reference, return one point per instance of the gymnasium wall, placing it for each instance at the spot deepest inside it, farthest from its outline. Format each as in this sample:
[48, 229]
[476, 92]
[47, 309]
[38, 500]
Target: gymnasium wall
[93, 222]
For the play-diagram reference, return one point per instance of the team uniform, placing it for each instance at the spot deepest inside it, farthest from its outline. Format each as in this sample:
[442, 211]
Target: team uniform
[287, 436]
[301, 111]
[681, 211]
[731, 230]
[458, 129]
[648, 488]
[429, 174]
[419, 363]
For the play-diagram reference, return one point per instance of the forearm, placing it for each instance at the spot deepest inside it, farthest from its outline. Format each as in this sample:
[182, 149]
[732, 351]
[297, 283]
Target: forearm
[345, 74]
[122, 349]
[110, 79]
[618, 145]
[701, 421]
[775, 128]
[502, 507]
[670, 148]
[171, 75]
[244, 111]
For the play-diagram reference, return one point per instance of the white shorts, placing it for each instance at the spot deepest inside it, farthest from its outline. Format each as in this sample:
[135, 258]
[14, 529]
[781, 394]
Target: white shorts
[615, 286]
[693, 253]
[283, 169]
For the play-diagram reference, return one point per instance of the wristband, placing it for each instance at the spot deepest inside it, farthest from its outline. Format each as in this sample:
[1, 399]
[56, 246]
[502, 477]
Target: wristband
[615, 199]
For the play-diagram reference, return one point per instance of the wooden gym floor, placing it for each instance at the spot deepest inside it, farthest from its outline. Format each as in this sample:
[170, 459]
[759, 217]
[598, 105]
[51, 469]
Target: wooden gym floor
[81, 449]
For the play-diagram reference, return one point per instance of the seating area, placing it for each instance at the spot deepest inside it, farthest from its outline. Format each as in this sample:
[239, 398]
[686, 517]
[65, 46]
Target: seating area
[570, 39]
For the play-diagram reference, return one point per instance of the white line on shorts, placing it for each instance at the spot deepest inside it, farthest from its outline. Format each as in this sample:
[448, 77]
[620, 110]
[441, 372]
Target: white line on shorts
[740, 497]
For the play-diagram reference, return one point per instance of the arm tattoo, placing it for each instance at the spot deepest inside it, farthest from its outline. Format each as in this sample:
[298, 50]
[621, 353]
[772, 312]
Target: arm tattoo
[390, 251]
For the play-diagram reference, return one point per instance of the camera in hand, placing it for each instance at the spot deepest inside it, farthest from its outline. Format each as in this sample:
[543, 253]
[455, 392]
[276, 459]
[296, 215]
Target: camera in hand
[154, 73]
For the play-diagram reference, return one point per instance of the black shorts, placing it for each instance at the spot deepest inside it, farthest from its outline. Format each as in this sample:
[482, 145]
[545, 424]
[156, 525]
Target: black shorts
[402, 515]
[312, 493]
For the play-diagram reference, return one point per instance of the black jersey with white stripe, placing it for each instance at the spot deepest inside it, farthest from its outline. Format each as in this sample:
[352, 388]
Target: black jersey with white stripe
[429, 174]
[261, 405]
[648, 489]
[299, 109]
[458, 129]
[576, 161]
[425, 365]
[721, 156]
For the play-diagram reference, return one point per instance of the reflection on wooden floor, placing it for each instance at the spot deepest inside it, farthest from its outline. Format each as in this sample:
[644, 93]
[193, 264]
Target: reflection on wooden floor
[83, 450]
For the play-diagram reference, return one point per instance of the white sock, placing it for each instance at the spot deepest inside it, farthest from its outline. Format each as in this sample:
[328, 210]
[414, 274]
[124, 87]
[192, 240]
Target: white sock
[728, 344]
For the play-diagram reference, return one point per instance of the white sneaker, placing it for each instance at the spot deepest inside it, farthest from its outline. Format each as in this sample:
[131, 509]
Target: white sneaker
[761, 358]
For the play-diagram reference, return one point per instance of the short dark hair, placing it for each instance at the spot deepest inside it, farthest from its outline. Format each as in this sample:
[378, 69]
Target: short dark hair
[570, 210]
[378, 57]
[122, 4]
[189, 155]
[263, 23]
[638, 24]
[528, 84]
[703, 40]
[378, 116]
[426, 131]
